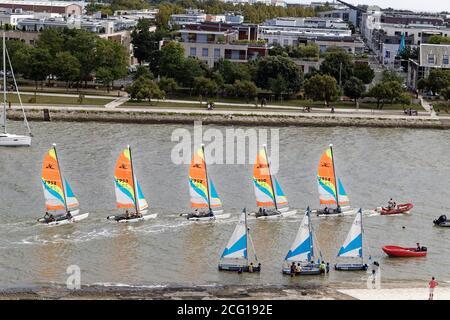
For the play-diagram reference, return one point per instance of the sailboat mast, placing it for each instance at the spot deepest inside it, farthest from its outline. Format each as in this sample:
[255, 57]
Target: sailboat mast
[207, 180]
[136, 196]
[334, 175]
[362, 237]
[271, 180]
[246, 234]
[310, 234]
[4, 82]
[61, 178]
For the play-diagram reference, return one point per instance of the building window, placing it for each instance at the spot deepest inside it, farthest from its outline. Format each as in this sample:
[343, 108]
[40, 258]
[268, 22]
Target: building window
[431, 58]
[216, 53]
[387, 55]
[193, 52]
[445, 59]
[204, 52]
[285, 42]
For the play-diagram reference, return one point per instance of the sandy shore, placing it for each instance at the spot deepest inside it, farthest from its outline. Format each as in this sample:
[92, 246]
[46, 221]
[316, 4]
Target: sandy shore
[344, 291]
[228, 117]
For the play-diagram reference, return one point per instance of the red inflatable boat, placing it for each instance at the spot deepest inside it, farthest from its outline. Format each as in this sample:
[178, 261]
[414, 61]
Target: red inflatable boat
[395, 251]
[401, 208]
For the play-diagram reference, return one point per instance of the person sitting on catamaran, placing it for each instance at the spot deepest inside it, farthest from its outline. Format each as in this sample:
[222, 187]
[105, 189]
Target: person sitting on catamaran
[298, 269]
[293, 269]
[68, 215]
[322, 267]
[250, 267]
[338, 209]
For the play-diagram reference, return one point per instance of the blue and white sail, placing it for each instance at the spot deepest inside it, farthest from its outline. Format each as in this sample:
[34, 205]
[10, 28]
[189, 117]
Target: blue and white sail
[343, 197]
[353, 244]
[302, 248]
[237, 245]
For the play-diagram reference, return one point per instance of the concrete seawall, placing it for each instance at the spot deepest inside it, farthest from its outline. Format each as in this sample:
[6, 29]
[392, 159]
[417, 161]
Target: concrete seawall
[220, 117]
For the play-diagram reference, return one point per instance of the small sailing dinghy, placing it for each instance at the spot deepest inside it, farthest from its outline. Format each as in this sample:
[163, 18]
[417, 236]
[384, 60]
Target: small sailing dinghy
[331, 189]
[235, 256]
[9, 139]
[204, 197]
[353, 247]
[270, 198]
[300, 258]
[129, 195]
[59, 197]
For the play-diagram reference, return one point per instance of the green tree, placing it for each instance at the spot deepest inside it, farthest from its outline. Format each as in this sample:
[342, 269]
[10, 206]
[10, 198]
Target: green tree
[389, 75]
[284, 67]
[67, 67]
[205, 87]
[144, 89]
[379, 92]
[232, 71]
[111, 61]
[278, 85]
[354, 88]
[338, 64]
[364, 72]
[188, 70]
[143, 71]
[38, 64]
[438, 80]
[171, 59]
[169, 85]
[245, 89]
[322, 88]
[438, 39]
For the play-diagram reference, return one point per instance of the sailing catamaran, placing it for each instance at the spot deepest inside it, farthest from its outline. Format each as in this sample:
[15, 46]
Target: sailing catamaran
[202, 191]
[236, 252]
[129, 195]
[301, 255]
[59, 197]
[353, 246]
[268, 191]
[9, 139]
[331, 189]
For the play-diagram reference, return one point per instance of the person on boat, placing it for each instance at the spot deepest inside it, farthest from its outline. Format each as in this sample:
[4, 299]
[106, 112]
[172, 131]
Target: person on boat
[338, 209]
[298, 269]
[328, 267]
[432, 284]
[260, 212]
[46, 216]
[293, 269]
[68, 215]
[211, 214]
[418, 249]
[264, 213]
[250, 267]
[325, 210]
[391, 204]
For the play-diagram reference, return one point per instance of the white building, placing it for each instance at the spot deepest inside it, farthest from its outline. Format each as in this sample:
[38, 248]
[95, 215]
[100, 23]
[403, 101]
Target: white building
[12, 18]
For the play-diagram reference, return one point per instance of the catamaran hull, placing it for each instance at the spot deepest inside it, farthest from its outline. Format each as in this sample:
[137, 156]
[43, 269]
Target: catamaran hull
[75, 218]
[215, 217]
[284, 214]
[237, 268]
[304, 272]
[143, 218]
[214, 212]
[12, 140]
[350, 267]
[346, 211]
[74, 213]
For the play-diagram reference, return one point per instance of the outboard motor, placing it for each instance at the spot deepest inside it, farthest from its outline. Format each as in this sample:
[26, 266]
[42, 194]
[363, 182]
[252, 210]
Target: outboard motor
[423, 249]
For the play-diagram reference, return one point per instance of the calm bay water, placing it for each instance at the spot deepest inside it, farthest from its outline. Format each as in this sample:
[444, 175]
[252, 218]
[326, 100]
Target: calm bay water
[375, 164]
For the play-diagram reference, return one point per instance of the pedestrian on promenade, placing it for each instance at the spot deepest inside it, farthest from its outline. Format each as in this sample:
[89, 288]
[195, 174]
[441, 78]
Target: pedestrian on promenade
[432, 284]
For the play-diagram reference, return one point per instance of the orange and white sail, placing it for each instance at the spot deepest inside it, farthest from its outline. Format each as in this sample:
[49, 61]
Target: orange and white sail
[201, 188]
[127, 187]
[266, 186]
[57, 196]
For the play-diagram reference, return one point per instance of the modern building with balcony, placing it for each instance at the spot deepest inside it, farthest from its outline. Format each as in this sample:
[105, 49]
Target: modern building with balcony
[210, 46]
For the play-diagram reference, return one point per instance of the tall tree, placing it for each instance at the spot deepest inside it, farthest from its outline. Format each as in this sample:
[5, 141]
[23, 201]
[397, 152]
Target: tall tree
[338, 64]
[322, 88]
[284, 67]
[354, 88]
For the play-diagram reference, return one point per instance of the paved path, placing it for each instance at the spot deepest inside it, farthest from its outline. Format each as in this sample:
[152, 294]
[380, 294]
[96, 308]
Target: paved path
[428, 107]
[116, 103]
[70, 95]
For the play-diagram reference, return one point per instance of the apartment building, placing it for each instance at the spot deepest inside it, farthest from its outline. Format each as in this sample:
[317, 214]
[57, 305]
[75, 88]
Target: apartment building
[432, 56]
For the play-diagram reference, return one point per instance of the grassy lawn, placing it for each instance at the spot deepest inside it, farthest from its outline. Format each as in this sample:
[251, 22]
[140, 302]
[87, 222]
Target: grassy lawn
[27, 99]
[93, 92]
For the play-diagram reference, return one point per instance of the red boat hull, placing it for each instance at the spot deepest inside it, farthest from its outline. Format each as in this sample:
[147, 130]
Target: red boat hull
[401, 208]
[395, 251]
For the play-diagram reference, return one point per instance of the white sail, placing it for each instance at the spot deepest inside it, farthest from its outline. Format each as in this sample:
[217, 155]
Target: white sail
[237, 245]
[301, 248]
[352, 246]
